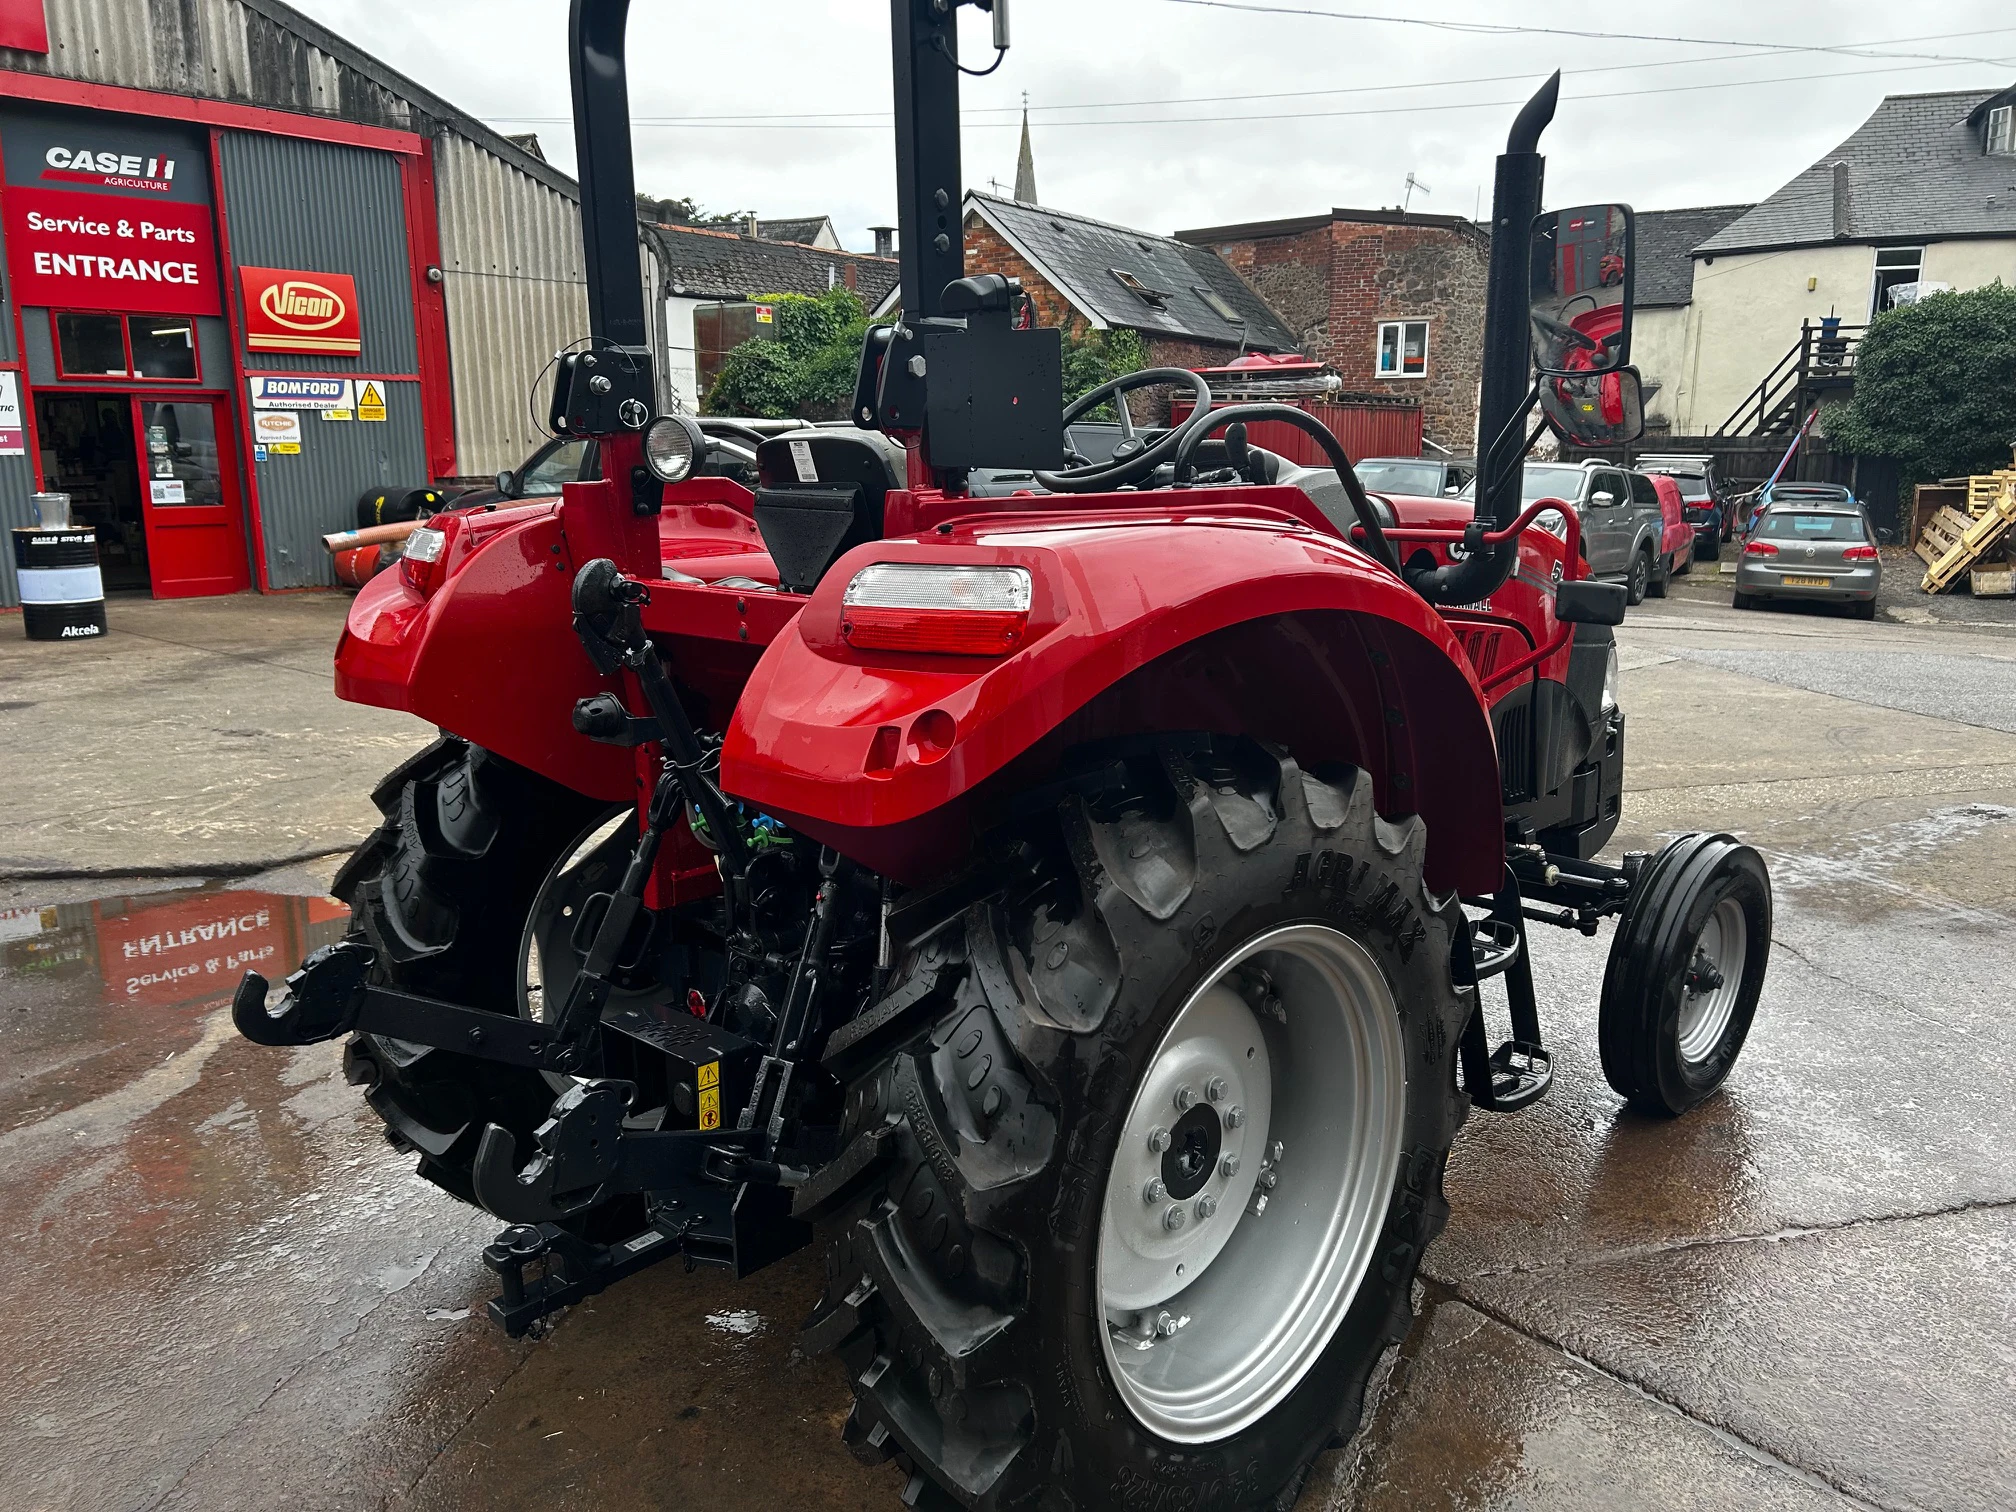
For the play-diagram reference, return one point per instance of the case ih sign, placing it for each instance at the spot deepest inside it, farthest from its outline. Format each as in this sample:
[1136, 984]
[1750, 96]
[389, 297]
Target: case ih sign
[291, 311]
[80, 251]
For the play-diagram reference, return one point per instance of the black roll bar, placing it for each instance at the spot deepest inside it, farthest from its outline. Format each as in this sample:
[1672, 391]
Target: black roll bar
[608, 181]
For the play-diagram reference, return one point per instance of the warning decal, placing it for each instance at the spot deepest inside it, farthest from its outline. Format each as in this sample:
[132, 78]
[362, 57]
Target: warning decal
[370, 401]
[709, 1082]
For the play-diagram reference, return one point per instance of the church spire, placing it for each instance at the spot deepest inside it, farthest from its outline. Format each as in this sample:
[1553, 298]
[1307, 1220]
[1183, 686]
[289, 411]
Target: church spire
[1025, 162]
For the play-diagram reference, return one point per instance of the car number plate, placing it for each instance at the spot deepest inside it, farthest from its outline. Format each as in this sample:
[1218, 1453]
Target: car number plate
[1804, 582]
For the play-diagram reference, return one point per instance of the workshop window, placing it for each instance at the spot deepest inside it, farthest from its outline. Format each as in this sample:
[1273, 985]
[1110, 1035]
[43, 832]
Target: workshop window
[1403, 349]
[1894, 266]
[154, 348]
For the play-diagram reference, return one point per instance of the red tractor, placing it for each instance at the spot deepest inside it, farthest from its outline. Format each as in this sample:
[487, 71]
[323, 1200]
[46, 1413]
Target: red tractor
[1072, 910]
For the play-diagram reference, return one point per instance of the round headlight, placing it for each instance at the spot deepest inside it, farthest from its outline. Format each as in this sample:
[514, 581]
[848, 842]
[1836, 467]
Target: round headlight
[673, 446]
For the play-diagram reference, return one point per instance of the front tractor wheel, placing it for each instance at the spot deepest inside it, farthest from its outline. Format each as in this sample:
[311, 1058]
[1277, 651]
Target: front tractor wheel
[1156, 1151]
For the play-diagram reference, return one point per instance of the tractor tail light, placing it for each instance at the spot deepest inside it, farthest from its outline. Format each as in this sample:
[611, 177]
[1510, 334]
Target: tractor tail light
[425, 560]
[950, 610]
[1860, 554]
[1759, 548]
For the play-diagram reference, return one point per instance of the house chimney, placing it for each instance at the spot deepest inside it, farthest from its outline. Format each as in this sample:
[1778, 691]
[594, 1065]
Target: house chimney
[749, 225]
[885, 240]
[1843, 217]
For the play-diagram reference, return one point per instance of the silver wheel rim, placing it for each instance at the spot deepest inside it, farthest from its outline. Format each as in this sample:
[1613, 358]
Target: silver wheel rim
[1213, 1318]
[1705, 1014]
[553, 907]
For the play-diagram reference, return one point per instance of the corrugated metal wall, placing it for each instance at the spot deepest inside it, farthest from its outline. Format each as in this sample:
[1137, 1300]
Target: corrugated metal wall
[511, 266]
[314, 205]
[303, 498]
[17, 481]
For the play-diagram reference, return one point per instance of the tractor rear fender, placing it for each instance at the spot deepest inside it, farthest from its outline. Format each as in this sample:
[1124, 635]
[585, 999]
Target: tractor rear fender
[488, 654]
[1140, 622]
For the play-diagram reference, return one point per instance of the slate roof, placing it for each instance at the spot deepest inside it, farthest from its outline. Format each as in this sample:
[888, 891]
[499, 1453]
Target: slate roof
[1077, 254]
[725, 265]
[1664, 269]
[802, 228]
[1915, 171]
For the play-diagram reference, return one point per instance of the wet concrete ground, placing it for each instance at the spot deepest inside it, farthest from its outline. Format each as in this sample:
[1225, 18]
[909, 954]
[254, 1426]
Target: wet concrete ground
[226, 1291]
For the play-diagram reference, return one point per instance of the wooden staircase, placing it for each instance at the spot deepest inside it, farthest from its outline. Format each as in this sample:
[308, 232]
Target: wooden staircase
[1820, 361]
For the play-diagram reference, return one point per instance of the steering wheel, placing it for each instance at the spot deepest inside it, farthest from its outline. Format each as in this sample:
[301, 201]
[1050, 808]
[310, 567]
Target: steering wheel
[1568, 341]
[1135, 457]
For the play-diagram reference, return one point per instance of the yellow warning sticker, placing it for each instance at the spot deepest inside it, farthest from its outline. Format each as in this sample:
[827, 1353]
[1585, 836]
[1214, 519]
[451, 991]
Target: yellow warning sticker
[710, 1107]
[370, 401]
[710, 1075]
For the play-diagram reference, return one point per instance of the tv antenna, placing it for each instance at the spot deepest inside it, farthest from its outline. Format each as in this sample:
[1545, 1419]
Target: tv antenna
[1412, 184]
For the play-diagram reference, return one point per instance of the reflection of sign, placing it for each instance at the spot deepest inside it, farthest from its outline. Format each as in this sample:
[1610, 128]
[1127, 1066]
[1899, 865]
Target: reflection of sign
[166, 491]
[193, 947]
[89, 251]
[289, 311]
[301, 393]
[13, 439]
[370, 401]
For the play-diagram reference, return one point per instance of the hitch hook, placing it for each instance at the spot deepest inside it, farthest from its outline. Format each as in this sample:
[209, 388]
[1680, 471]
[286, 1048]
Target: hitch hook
[578, 1150]
[322, 1000]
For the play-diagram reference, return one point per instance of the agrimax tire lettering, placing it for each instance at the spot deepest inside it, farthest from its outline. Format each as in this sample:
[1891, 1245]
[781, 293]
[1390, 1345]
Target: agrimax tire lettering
[1338, 876]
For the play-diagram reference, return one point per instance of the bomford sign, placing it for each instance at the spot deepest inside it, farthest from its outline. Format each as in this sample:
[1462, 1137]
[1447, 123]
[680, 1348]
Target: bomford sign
[93, 252]
[287, 310]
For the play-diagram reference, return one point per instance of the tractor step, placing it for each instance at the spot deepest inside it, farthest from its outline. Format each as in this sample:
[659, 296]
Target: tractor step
[1521, 1074]
[1494, 945]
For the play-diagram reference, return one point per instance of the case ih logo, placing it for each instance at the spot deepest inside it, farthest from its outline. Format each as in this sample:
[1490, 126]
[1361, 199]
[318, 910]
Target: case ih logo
[110, 170]
[287, 310]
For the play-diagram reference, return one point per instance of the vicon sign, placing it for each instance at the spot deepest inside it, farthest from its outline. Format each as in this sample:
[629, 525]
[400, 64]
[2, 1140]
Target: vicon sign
[287, 310]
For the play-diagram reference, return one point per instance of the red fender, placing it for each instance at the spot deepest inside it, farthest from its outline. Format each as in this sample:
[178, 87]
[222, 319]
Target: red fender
[489, 654]
[1142, 620]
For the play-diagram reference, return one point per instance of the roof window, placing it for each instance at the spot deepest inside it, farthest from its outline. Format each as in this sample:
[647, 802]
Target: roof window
[1219, 305]
[2001, 137]
[1157, 299]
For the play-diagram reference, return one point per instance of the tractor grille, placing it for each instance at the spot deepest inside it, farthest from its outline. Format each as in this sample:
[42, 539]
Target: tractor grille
[1515, 752]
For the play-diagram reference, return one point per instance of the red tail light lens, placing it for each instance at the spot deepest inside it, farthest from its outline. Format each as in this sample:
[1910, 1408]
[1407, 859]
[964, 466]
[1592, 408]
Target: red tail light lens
[1759, 548]
[1860, 554]
[950, 610]
[425, 560]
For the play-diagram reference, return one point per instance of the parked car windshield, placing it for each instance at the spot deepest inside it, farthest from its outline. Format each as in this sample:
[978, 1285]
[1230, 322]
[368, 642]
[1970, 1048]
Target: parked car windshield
[1811, 525]
[1541, 480]
[1401, 477]
[1693, 487]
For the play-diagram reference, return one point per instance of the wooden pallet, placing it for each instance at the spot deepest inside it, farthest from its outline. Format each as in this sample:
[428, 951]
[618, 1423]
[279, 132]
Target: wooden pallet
[1998, 581]
[1984, 489]
[1941, 534]
[1979, 539]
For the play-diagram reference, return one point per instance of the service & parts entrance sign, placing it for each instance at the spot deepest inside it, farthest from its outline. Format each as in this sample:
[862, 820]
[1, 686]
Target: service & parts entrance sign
[95, 252]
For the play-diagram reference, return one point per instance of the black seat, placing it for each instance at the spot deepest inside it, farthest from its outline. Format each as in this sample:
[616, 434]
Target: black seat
[819, 494]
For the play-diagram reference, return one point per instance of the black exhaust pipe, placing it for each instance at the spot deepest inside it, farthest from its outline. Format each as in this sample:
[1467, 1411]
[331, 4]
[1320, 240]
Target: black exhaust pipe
[1508, 356]
[602, 163]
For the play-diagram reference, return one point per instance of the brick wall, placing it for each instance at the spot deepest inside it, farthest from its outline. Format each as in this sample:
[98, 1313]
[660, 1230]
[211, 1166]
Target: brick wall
[986, 252]
[1292, 274]
[1399, 272]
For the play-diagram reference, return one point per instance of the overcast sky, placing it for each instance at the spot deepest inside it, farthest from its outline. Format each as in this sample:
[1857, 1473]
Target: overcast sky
[1356, 104]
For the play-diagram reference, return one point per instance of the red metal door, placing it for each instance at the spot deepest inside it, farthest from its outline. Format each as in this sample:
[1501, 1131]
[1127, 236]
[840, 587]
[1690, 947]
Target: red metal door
[189, 492]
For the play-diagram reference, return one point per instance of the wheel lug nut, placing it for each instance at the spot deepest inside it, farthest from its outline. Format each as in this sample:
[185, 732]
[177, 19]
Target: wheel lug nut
[1229, 1166]
[1186, 1098]
[1174, 1218]
[1269, 1180]
[1158, 1140]
[1206, 1206]
[1152, 1193]
[1215, 1089]
[1235, 1116]
[1165, 1326]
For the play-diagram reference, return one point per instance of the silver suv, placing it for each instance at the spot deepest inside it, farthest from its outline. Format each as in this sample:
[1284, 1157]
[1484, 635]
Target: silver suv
[1622, 527]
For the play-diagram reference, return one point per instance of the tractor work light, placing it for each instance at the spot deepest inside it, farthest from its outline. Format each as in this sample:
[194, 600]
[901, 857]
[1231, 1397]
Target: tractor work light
[949, 610]
[425, 560]
[673, 445]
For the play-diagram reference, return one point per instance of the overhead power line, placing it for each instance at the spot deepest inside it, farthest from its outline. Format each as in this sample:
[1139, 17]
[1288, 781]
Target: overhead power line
[883, 123]
[1515, 29]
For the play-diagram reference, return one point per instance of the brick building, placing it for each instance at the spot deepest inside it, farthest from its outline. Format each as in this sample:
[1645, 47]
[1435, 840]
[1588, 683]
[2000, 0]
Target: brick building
[1087, 275]
[1393, 301]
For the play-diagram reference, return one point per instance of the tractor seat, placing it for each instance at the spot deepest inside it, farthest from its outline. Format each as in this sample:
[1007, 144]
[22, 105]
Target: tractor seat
[819, 494]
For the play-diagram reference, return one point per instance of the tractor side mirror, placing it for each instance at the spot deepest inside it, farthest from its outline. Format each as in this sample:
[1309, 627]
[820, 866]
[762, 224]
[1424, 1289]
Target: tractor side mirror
[507, 483]
[1589, 602]
[1579, 289]
[1594, 409]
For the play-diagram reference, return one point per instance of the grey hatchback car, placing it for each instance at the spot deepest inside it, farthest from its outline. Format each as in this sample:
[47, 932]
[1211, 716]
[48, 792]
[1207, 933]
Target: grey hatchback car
[1811, 546]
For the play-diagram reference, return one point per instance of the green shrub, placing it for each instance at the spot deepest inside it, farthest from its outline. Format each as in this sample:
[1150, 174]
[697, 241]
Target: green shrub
[806, 371]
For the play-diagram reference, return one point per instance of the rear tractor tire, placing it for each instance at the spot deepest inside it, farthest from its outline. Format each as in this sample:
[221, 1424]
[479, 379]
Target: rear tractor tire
[443, 891]
[1151, 1163]
[1686, 968]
